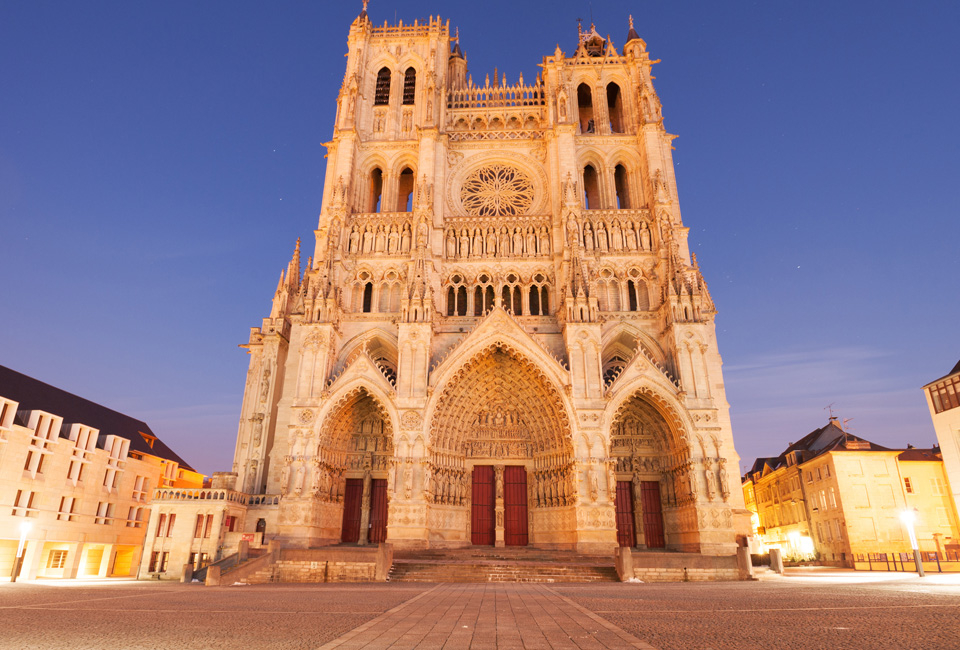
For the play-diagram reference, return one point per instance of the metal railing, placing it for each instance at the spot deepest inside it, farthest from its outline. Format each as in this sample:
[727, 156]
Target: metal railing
[900, 561]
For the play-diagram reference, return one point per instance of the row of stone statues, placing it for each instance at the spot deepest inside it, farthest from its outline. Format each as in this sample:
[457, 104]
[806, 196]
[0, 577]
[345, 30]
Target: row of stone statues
[445, 486]
[326, 483]
[518, 242]
[388, 239]
[616, 237]
[553, 488]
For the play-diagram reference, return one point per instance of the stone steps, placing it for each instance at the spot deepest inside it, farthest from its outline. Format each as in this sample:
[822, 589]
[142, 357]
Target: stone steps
[412, 571]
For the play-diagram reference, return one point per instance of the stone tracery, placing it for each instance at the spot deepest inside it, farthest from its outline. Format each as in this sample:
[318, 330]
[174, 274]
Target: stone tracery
[496, 190]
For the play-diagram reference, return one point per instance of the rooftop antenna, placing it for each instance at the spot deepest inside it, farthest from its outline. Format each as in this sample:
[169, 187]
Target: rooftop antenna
[844, 427]
[829, 407]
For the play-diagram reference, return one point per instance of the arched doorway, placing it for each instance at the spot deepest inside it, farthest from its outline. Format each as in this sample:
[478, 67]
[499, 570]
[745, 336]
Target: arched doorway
[500, 453]
[651, 465]
[351, 467]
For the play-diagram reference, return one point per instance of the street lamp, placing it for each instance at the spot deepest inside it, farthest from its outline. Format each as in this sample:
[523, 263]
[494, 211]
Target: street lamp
[25, 527]
[908, 518]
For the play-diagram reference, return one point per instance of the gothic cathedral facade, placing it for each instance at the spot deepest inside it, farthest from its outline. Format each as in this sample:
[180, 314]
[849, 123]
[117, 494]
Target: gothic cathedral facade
[501, 337]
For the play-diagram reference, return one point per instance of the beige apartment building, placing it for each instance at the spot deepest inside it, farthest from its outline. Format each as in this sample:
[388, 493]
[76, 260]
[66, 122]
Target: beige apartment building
[835, 497]
[943, 399]
[500, 338]
[75, 482]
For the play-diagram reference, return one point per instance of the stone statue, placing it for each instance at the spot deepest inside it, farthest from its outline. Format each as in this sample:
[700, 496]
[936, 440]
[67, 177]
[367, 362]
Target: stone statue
[464, 243]
[408, 482]
[451, 244]
[544, 241]
[405, 239]
[562, 104]
[491, 242]
[393, 243]
[644, 237]
[594, 484]
[631, 237]
[530, 243]
[367, 240]
[354, 240]
[711, 477]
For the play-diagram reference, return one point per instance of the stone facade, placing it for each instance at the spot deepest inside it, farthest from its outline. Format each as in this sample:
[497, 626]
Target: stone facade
[943, 399]
[501, 331]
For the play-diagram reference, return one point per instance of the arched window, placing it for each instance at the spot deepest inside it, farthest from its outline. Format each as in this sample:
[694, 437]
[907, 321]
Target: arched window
[612, 369]
[376, 190]
[456, 297]
[623, 193]
[585, 109]
[405, 191]
[367, 297]
[390, 297]
[591, 188]
[409, 86]
[615, 108]
[511, 297]
[539, 296]
[382, 95]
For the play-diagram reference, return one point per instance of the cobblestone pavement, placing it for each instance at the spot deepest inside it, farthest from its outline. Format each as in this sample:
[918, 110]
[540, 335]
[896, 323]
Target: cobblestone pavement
[834, 610]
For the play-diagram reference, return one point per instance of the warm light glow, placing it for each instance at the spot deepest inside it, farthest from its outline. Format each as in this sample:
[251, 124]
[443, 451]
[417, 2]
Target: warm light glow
[908, 517]
[25, 527]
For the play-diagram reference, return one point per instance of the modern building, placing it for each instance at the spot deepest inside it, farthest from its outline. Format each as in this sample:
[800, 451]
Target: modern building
[501, 337]
[75, 482]
[943, 399]
[834, 496]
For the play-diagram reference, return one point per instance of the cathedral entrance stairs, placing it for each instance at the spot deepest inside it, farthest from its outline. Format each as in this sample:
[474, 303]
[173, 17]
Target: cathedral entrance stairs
[500, 565]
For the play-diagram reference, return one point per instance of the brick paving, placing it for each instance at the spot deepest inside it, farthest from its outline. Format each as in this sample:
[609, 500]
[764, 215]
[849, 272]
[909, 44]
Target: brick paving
[488, 616]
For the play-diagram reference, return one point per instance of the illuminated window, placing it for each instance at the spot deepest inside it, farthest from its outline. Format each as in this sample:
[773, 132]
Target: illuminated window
[57, 560]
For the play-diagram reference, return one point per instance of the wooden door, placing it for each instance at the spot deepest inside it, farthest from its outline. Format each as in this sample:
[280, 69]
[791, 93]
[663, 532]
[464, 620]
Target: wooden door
[626, 532]
[515, 506]
[483, 522]
[652, 514]
[350, 533]
[378, 511]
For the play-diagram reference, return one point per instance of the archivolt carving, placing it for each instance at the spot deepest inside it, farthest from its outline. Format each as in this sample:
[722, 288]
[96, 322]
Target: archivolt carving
[646, 412]
[501, 405]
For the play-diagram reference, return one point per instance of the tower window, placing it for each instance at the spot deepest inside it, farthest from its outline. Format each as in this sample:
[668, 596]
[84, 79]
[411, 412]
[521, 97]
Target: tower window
[615, 108]
[623, 193]
[585, 108]
[409, 86]
[382, 96]
[591, 188]
[405, 191]
[376, 190]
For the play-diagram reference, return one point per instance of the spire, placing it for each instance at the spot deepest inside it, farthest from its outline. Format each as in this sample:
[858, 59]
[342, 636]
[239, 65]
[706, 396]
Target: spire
[632, 34]
[363, 13]
[293, 271]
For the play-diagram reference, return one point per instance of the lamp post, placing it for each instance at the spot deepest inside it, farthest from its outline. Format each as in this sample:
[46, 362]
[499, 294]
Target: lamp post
[24, 530]
[908, 517]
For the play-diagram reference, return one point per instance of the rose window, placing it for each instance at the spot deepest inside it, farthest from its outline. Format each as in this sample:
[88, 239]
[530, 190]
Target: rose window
[497, 190]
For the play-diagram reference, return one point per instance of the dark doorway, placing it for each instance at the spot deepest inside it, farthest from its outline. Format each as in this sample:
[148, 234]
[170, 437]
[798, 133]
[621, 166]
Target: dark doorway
[378, 511]
[482, 523]
[626, 530]
[652, 514]
[515, 506]
[351, 511]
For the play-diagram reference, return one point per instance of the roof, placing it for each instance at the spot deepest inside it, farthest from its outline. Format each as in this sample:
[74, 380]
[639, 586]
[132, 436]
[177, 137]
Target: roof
[819, 441]
[921, 454]
[955, 370]
[34, 395]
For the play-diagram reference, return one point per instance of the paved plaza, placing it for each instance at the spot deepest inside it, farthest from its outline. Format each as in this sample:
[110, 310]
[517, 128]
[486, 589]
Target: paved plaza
[807, 609]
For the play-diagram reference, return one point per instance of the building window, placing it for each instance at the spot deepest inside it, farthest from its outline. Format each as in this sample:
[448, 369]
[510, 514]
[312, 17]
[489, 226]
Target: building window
[591, 191]
[405, 191]
[65, 512]
[198, 529]
[104, 513]
[623, 190]
[945, 394]
[367, 297]
[208, 526]
[23, 504]
[936, 485]
[409, 86]
[382, 96]
[907, 485]
[57, 559]
[161, 525]
[833, 498]
[170, 522]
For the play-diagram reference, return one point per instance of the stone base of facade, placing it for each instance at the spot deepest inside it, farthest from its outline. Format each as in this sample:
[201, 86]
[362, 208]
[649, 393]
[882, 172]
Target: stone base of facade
[651, 566]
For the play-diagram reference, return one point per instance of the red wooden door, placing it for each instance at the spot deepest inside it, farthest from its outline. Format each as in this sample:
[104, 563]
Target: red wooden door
[626, 532]
[515, 506]
[482, 523]
[350, 533]
[652, 514]
[378, 511]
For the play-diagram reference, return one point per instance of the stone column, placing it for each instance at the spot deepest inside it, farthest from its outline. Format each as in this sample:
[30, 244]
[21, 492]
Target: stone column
[106, 560]
[638, 513]
[73, 560]
[365, 509]
[499, 540]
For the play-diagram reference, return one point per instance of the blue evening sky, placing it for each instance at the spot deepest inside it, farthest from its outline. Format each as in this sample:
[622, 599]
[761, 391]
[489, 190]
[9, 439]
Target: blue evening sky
[158, 161]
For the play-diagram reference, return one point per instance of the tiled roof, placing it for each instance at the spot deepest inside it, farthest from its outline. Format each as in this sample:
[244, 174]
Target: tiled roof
[33, 394]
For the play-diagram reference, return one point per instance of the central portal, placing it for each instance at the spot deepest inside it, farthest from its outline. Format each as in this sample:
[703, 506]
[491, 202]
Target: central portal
[515, 506]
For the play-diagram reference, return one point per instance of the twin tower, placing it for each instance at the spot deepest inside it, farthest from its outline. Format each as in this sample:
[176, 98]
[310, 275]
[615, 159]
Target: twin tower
[501, 337]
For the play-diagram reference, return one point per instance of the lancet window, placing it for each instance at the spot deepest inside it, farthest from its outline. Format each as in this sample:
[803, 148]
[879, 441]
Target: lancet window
[456, 297]
[591, 188]
[405, 191]
[375, 199]
[409, 86]
[622, 187]
[483, 295]
[511, 295]
[615, 108]
[382, 95]
[585, 109]
[390, 293]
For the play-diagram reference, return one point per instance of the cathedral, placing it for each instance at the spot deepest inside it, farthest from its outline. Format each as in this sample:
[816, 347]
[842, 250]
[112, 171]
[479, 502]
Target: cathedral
[501, 337]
